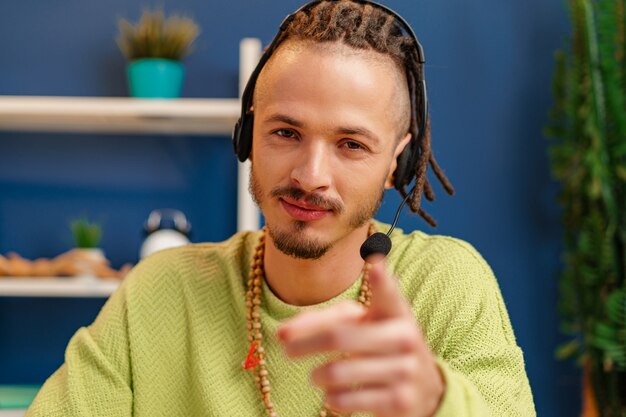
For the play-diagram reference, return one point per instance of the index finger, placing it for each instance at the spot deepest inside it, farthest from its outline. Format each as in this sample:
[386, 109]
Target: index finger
[387, 299]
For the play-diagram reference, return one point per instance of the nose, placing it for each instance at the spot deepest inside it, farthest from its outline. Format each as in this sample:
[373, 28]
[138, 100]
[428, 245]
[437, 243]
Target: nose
[311, 171]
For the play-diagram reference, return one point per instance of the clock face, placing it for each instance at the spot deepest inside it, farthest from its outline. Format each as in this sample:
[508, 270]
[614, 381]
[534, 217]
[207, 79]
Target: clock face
[162, 239]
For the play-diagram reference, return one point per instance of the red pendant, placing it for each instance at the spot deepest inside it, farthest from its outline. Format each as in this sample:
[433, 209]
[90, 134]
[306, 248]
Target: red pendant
[251, 360]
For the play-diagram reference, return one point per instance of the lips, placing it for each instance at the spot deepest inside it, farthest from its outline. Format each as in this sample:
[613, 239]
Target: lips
[303, 211]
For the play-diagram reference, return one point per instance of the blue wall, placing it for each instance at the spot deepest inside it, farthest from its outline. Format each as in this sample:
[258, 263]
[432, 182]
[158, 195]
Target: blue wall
[489, 67]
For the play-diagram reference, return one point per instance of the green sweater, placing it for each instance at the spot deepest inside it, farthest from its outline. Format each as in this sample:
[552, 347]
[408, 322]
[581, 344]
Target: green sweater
[171, 340]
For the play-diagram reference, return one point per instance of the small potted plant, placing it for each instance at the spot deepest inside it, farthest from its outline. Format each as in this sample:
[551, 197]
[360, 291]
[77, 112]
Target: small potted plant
[86, 251]
[154, 48]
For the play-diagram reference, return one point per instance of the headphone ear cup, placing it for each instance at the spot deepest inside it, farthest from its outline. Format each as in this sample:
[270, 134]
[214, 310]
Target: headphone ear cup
[405, 168]
[236, 136]
[242, 137]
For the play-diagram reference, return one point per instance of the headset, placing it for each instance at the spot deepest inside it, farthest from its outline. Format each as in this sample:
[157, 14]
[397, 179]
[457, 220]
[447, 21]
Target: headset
[406, 161]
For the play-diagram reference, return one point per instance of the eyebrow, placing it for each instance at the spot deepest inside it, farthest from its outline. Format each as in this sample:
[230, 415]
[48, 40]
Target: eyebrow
[347, 130]
[277, 117]
[359, 131]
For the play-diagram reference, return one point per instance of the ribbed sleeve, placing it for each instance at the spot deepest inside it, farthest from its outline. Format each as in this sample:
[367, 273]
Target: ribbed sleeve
[458, 304]
[95, 379]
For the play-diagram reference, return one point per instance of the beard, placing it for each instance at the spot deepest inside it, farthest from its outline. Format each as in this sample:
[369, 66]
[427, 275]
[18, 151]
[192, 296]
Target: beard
[293, 242]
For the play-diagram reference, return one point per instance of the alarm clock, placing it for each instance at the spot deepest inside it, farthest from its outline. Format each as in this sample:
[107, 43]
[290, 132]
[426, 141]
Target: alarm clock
[165, 228]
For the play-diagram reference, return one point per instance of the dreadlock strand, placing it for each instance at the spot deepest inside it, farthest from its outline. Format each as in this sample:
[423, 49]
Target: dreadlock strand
[360, 28]
[365, 21]
[415, 199]
[427, 217]
[377, 33]
[428, 191]
[314, 22]
[422, 166]
[336, 15]
[387, 28]
[438, 171]
[442, 177]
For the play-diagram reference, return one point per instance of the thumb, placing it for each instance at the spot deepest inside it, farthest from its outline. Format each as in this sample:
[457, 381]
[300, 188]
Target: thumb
[387, 301]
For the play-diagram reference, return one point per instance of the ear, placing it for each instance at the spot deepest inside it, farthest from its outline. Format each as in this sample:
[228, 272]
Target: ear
[394, 162]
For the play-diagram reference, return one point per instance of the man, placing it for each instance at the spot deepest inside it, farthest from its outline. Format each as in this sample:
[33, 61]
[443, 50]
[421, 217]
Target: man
[290, 321]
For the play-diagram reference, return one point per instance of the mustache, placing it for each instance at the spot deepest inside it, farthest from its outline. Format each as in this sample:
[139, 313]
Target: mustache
[312, 198]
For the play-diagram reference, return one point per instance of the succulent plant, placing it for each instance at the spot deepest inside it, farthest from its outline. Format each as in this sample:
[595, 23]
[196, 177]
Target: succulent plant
[86, 234]
[156, 36]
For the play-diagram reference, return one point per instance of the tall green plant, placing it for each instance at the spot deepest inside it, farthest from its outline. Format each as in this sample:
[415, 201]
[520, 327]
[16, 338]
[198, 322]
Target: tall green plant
[589, 159]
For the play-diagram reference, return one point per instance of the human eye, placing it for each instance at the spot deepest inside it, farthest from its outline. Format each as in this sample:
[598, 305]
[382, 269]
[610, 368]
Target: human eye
[353, 146]
[286, 133]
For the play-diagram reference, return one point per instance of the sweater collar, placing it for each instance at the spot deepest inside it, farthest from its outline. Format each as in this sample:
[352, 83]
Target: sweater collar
[280, 310]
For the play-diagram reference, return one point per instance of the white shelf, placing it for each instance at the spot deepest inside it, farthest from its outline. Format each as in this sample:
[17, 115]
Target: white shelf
[188, 116]
[13, 413]
[118, 115]
[57, 287]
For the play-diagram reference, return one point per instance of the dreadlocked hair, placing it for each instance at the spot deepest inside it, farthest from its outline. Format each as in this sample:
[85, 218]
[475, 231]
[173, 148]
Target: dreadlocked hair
[367, 27]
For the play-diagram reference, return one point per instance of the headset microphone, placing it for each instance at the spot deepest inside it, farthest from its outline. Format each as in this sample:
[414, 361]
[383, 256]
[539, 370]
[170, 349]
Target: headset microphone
[380, 243]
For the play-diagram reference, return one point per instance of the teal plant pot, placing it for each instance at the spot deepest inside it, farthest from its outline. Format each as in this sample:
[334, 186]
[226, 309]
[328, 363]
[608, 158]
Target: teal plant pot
[155, 78]
[17, 396]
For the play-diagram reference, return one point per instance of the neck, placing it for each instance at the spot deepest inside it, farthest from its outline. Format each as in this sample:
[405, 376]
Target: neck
[304, 282]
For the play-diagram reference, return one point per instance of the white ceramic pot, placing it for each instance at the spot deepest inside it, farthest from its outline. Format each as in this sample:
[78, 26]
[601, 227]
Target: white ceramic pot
[85, 260]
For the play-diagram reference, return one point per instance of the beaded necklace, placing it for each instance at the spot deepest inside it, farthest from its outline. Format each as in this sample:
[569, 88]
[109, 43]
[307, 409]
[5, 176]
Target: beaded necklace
[258, 363]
